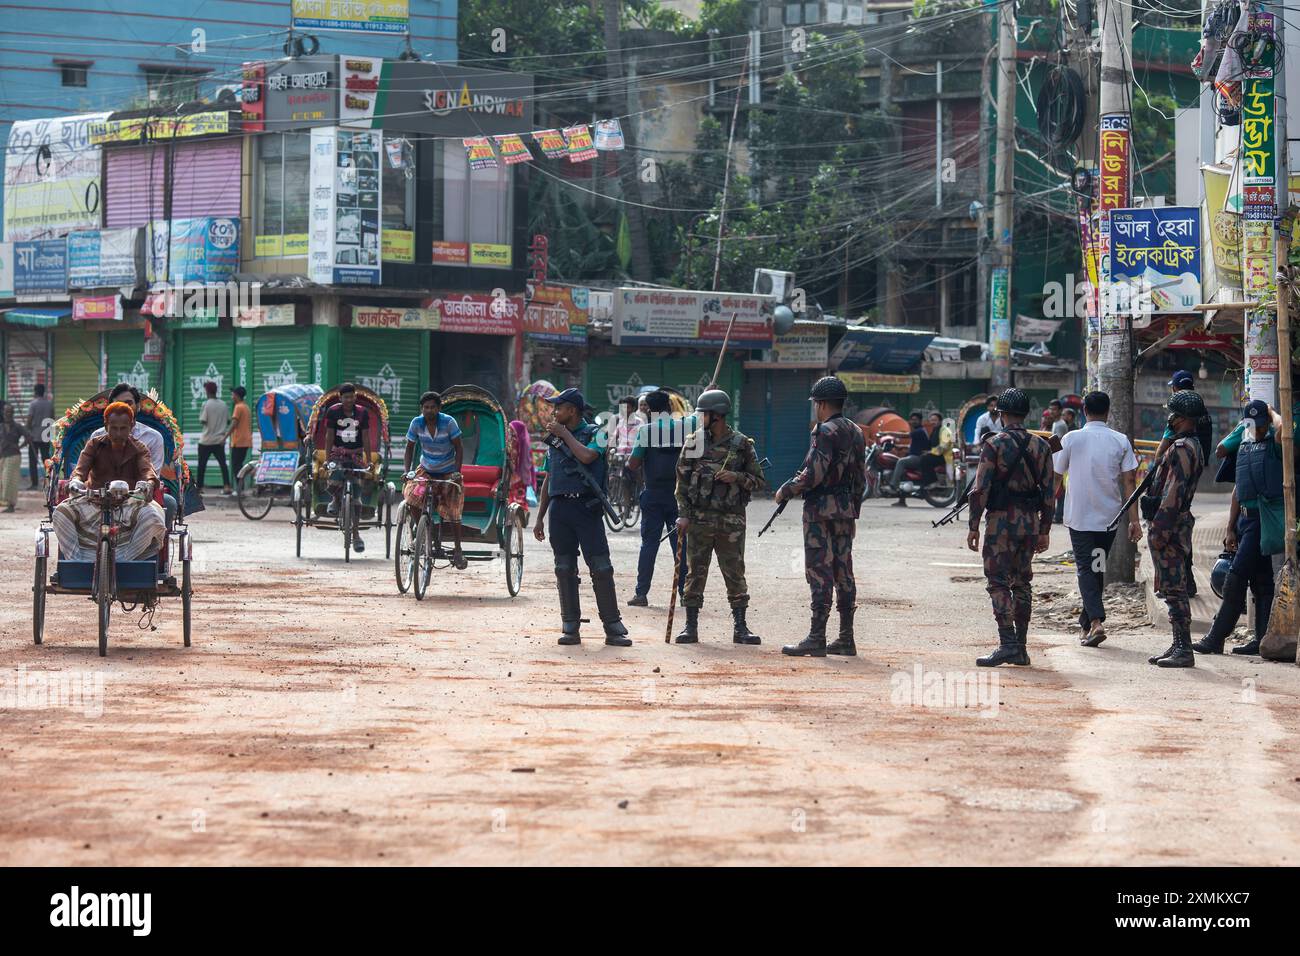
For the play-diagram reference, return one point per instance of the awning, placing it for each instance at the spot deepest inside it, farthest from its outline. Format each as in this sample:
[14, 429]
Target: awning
[40, 318]
[885, 350]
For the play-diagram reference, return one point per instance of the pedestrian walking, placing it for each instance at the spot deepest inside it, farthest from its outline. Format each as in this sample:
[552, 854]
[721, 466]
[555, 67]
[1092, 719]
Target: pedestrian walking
[240, 431]
[1256, 503]
[831, 480]
[1014, 484]
[1169, 534]
[1102, 471]
[12, 437]
[717, 472]
[215, 419]
[576, 523]
[40, 423]
[654, 453]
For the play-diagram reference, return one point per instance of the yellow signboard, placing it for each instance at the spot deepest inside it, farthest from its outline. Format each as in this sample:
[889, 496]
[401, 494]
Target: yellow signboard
[489, 254]
[160, 127]
[363, 16]
[280, 247]
[397, 245]
[876, 382]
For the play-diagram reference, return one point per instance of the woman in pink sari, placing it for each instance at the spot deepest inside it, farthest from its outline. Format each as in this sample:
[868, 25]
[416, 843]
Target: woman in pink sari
[525, 476]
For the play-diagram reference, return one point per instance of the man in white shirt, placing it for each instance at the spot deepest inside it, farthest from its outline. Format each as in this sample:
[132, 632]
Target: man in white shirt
[215, 418]
[1103, 471]
[989, 423]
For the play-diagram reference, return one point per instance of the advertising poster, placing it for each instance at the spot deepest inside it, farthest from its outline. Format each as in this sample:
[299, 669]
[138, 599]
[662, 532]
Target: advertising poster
[51, 185]
[1224, 225]
[394, 319]
[357, 180]
[666, 317]
[361, 16]
[202, 250]
[450, 253]
[1114, 164]
[1156, 253]
[107, 258]
[554, 315]
[41, 269]
[97, 308]
[476, 314]
[277, 467]
[154, 128]
[490, 254]
[320, 219]
[1000, 314]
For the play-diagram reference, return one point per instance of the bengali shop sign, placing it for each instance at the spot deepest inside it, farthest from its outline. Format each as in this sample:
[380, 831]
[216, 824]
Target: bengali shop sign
[97, 308]
[360, 16]
[1114, 165]
[554, 315]
[394, 319]
[667, 317]
[479, 314]
[1156, 252]
[51, 184]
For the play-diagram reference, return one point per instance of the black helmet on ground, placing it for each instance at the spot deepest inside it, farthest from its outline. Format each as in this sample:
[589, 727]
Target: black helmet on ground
[1013, 401]
[828, 388]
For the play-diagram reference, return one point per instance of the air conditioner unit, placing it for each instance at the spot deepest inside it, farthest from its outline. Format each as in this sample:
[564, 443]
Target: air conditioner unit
[779, 285]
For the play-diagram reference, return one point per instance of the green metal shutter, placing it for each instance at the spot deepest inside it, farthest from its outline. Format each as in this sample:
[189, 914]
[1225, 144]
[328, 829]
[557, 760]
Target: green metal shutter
[609, 377]
[126, 361]
[280, 357]
[388, 363]
[76, 365]
[206, 355]
[779, 418]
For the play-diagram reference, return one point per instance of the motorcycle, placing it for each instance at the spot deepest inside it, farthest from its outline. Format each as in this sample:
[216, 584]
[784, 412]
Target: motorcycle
[881, 459]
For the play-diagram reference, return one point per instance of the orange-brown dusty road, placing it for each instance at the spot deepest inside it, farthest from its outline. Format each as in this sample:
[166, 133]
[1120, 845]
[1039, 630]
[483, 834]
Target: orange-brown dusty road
[321, 718]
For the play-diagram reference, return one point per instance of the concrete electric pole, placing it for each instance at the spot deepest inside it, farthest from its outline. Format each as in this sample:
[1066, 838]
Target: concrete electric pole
[1004, 186]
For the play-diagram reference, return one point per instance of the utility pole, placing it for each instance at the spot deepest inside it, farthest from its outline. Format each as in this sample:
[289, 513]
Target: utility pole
[1115, 356]
[1004, 185]
[628, 173]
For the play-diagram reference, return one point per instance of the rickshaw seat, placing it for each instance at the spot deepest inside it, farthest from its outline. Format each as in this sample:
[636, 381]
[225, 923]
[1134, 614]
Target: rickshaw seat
[131, 575]
[480, 480]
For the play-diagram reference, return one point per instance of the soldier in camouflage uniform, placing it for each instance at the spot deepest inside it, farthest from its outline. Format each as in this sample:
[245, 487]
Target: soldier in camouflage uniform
[1169, 533]
[716, 474]
[1015, 485]
[832, 479]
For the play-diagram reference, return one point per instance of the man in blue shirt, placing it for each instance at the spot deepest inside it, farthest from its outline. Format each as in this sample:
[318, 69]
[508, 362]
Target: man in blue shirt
[437, 482]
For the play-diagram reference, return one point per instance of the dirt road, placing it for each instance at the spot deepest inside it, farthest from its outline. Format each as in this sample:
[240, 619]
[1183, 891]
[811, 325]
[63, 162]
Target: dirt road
[321, 718]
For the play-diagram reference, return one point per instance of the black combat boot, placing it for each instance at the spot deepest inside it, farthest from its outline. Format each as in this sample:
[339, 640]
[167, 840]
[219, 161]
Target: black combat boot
[1251, 647]
[741, 634]
[602, 582]
[1023, 614]
[1157, 658]
[691, 632]
[1011, 650]
[566, 579]
[814, 645]
[1180, 655]
[843, 646]
[1234, 602]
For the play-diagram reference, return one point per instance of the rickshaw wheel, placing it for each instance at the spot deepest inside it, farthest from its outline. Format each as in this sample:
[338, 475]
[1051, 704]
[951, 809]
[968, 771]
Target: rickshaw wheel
[104, 594]
[514, 549]
[299, 507]
[187, 591]
[632, 510]
[38, 601]
[253, 507]
[403, 564]
[346, 520]
[386, 503]
[422, 563]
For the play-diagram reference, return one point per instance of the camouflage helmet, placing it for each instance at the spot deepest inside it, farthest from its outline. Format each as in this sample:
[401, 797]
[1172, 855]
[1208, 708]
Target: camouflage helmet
[1013, 401]
[828, 388]
[713, 400]
[1187, 404]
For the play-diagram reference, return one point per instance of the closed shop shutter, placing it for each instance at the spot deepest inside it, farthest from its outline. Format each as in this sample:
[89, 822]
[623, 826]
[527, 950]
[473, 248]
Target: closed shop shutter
[205, 356]
[126, 362]
[27, 361]
[76, 366]
[133, 185]
[779, 418]
[280, 357]
[205, 182]
[610, 377]
[388, 363]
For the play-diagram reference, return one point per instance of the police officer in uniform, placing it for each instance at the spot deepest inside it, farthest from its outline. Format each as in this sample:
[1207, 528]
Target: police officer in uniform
[1258, 476]
[1015, 484]
[717, 473]
[575, 512]
[1169, 533]
[832, 479]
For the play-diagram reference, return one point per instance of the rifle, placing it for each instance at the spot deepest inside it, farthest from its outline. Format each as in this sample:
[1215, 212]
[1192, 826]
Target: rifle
[558, 444]
[959, 506]
[775, 514]
[1138, 492]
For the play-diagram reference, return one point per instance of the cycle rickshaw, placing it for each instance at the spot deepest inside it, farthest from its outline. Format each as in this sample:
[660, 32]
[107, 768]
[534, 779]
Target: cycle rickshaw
[282, 415]
[107, 580]
[495, 512]
[366, 495]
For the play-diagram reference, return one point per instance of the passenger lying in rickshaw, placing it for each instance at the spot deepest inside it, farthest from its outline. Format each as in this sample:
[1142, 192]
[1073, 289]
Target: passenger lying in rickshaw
[346, 424]
[437, 482]
[113, 456]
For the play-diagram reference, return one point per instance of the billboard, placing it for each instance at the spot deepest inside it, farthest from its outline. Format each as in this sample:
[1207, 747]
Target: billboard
[668, 317]
[52, 169]
[344, 230]
[360, 16]
[1157, 252]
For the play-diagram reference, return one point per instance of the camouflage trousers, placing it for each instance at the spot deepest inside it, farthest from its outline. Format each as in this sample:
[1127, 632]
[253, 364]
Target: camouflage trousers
[828, 562]
[727, 541]
[1169, 551]
[1008, 568]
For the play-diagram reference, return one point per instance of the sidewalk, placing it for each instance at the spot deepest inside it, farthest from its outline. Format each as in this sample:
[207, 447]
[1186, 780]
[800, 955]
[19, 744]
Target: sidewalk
[1211, 511]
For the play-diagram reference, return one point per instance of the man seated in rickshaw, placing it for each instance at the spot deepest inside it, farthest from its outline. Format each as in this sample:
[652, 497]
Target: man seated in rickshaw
[437, 436]
[346, 424]
[147, 435]
[112, 456]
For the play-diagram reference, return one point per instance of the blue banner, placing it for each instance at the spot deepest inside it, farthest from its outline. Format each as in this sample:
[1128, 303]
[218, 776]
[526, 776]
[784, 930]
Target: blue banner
[1157, 254]
[41, 267]
[204, 250]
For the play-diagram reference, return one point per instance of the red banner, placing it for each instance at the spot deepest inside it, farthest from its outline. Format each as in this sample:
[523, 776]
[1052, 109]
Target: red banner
[1114, 165]
[479, 314]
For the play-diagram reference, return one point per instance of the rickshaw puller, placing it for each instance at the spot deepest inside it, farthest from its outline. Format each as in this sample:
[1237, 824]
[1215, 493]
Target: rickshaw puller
[576, 520]
[346, 425]
[113, 456]
[437, 437]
